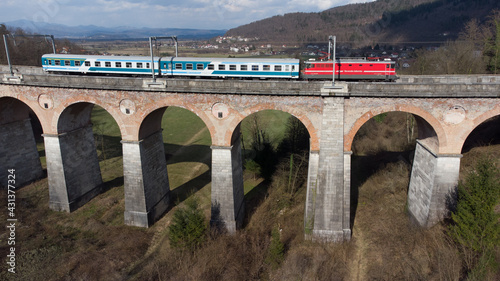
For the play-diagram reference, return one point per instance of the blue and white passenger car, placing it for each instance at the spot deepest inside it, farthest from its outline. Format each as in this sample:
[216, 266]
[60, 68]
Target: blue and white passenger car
[230, 67]
[174, 66]
[98, 64]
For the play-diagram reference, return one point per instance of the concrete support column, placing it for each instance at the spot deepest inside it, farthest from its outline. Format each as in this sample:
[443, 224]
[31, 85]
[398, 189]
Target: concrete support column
[72, 168]
[433, 184]
[227, 187]
[18, 151]
[331, 210]
[147, 190]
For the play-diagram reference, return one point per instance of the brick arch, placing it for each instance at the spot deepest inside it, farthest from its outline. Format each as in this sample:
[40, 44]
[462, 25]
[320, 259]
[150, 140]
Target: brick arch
[153, 112]
[478, 121]
[13, 109]
[16, 111]
[18, 149]
[85, 105]
[314, 139]
[434, 123]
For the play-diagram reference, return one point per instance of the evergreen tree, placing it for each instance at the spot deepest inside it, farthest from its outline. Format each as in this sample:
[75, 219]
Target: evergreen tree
[476, 226]
[188, 227]
[276, 252]
[493, 43]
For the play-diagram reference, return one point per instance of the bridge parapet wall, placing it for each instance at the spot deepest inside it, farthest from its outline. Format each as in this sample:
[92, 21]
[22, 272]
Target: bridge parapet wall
[449, 79]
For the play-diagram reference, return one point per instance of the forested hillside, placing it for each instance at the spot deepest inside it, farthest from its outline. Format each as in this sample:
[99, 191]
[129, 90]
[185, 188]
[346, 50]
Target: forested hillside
[380, 21]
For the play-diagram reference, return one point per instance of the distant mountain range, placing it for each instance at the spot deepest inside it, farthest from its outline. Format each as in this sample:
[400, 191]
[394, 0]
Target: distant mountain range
[377, 22]
[381, 21]
[110, 33]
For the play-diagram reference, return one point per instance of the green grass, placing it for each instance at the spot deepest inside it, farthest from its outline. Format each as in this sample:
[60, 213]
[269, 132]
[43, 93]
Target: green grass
[180, 125]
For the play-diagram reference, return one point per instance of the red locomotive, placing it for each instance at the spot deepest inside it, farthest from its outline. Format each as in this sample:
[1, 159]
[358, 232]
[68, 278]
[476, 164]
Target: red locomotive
[351, 69]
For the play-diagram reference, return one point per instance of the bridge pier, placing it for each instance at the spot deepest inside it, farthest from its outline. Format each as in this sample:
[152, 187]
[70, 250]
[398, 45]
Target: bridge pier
[331, 197]
[147, 189]
[228, 208]
[18, 151]
[312, 185]
[73, 169]
[433, 184]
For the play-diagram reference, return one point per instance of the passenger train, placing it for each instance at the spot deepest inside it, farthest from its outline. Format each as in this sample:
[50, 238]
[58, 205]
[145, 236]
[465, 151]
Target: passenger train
[346, 69]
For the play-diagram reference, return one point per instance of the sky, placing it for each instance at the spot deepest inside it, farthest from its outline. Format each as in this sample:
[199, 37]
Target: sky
[197, 14]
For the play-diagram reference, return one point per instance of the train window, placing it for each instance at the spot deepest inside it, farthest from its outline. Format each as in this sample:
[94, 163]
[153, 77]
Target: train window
[139, 65]
[107, 64]
[222, 67]
[147, 65]
[178, 66]
[199, 66]
[350, 65]
[211, 67]
[277, 68]
[77, 63]
[371, 64]
[87, 63]
[287, 68]
[255, 68]
[97, 63]
[360, 65]
[49, 62]
[293, 67]
[189, 66]
[244, 67]
[387, 66]
[118, 64]
[67, 63]
[267, 67]
[232, 67]
[128, 65]
[57, 62]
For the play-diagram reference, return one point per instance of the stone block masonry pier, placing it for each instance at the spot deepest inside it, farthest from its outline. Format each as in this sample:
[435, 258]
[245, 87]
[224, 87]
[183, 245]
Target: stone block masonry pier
[446, 109]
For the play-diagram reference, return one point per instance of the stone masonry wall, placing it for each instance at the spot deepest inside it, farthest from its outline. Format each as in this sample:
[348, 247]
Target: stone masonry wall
[312, 185]
[433, 184]
[73, 168]
[421, 184]
[445, 188]
[18, 151]
[329, 209]
[238, 188]
[147, 190]
[227, 187]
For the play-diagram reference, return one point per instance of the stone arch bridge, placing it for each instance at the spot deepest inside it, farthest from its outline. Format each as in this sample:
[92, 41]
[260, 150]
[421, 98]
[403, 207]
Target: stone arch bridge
[447, 110]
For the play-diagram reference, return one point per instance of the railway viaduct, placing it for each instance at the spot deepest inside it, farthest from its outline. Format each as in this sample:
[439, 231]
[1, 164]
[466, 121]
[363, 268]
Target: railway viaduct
[447, 109]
